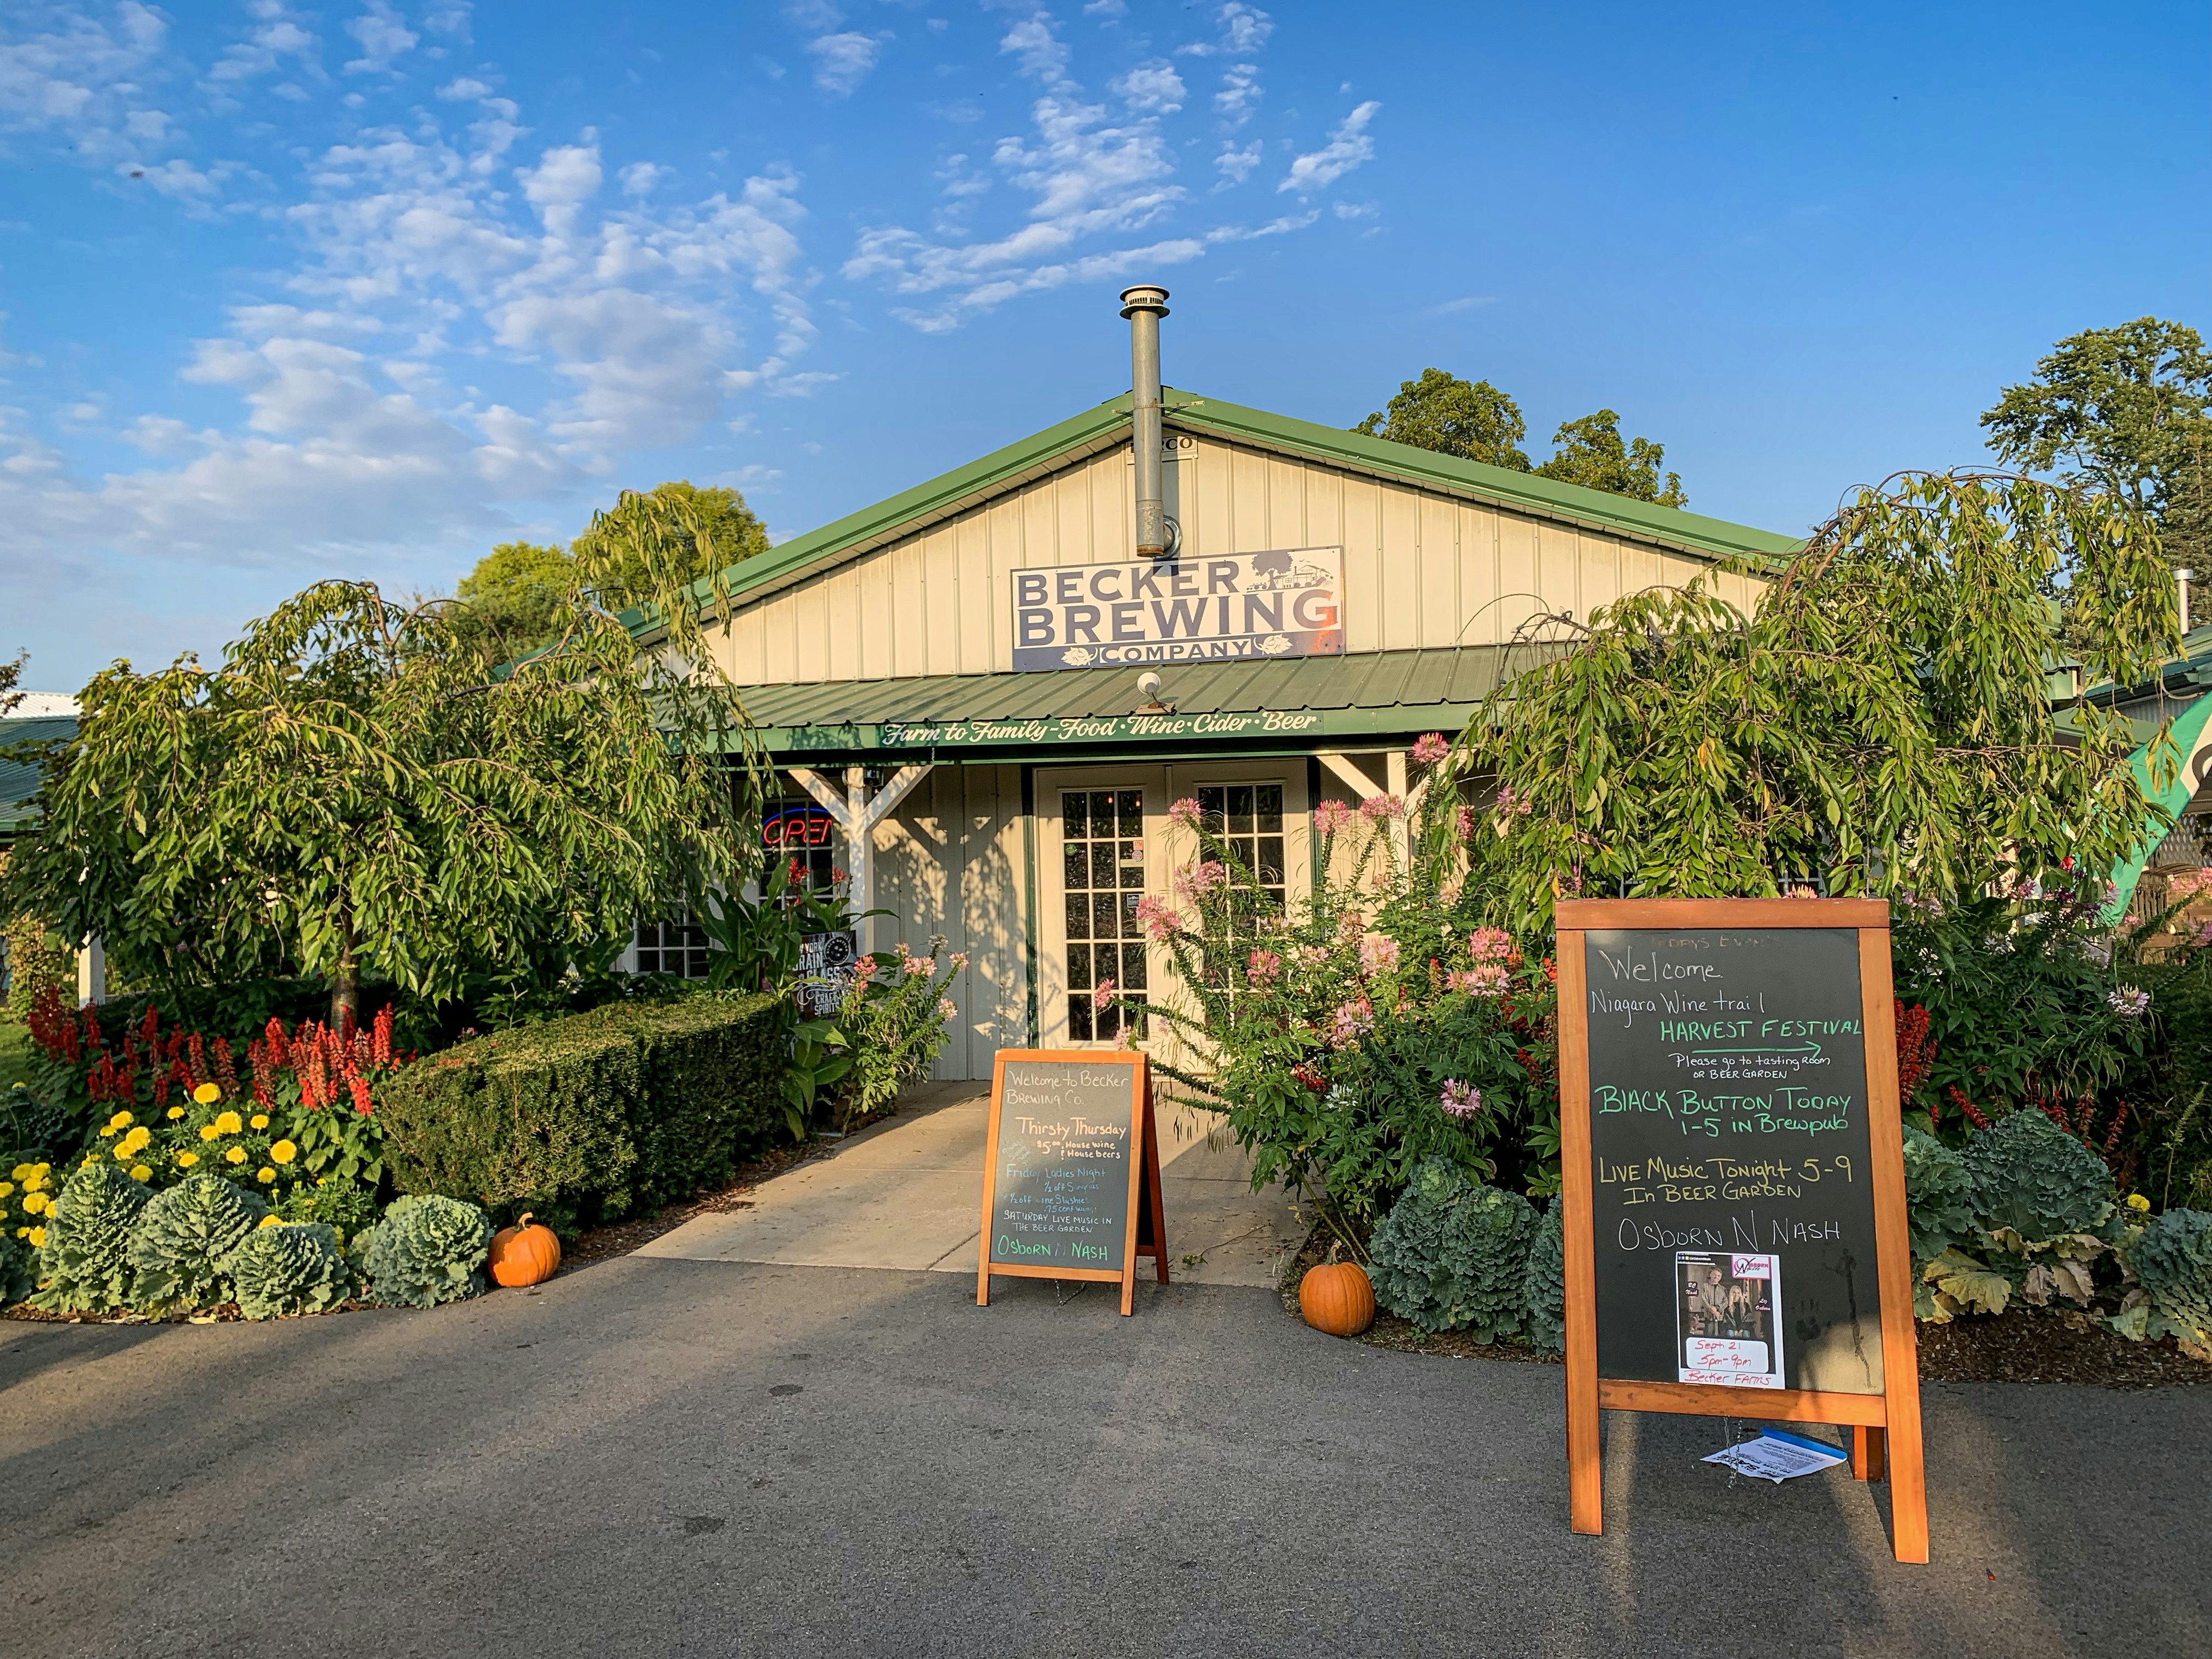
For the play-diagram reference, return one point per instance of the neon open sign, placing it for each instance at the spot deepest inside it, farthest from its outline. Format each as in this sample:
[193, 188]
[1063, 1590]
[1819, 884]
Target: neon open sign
[796, 827]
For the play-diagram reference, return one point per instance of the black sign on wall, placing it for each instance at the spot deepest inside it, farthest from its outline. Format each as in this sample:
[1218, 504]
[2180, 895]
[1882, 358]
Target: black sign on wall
[1731, 1170]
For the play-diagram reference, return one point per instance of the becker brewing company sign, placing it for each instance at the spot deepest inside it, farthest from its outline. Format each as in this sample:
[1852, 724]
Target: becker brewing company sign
[1287, 602]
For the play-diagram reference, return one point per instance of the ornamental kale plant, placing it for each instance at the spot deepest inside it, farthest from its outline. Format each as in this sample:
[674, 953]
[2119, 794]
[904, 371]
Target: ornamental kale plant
[1544, 1284]
[1939, 1209]
[285, 1269]
[84, 1266]
[182, 1240]
[1452, 1253]
[2172, 1260]
[425, 1251]
[2030, 1175]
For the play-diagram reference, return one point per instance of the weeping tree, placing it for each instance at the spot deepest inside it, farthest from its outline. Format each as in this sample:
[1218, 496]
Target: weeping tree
[364, 790]
[1879, 721]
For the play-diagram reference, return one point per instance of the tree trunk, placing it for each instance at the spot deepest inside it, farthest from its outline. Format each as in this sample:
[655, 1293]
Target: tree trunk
[345, 980]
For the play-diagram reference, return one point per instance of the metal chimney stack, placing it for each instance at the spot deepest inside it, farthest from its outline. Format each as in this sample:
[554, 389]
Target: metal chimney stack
[1144, 306]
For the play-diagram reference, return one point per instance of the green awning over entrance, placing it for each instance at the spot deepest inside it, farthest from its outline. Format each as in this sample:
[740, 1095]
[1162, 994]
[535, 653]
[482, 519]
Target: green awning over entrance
[1372, 694]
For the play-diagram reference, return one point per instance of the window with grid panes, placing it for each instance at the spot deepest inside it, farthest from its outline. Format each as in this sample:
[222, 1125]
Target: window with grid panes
[1103, 858]
[673, 945]
[1249, 818]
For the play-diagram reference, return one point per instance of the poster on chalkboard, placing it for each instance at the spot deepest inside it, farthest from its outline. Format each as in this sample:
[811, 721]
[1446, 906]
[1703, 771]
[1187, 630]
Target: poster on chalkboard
[1732, 1179]
[1071, 1176]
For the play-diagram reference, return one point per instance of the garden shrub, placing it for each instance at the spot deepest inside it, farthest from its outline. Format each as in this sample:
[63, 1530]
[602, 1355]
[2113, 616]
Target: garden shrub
[1938, 1208]
[1452, 1253]
[2030, 1175]
[426, 1250]
[84, 1267]
[2171, 1259]
[288, 1268]
[345, 1207]
[1544, 1283]
[585, 1119]
[182, 1243]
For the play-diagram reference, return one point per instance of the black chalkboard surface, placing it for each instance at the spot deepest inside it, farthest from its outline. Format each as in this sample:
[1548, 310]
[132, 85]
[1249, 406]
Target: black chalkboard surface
[1069, 1155]
[1731, 1168]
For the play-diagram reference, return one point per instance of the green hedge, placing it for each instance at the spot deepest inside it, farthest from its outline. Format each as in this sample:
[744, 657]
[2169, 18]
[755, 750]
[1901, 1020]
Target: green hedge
[591, 1118]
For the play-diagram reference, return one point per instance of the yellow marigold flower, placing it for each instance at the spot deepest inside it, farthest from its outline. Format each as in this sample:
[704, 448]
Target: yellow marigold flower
[138, 1136]
[227, 1123]
[23, 1232]
[2137, 1201]
[208, 1093]
[35, 1180]
[21, 1172]
[186, 1160]
[140, 1172]
[259, 1121]
[271, 1221]
[235, 1155]
[38, 1238]
[6, 1187]
[120, 1120]
[107, 1131]
[209, 1132]
[36, 1204]
[283, 1153]
[264, 1174]
[175, 1112]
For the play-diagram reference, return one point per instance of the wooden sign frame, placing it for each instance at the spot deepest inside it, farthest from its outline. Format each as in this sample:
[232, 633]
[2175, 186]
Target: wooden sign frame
[1144, 1203]
[1885, 1439]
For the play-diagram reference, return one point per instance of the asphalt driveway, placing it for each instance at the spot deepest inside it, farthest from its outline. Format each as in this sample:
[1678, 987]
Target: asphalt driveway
[662, 1456]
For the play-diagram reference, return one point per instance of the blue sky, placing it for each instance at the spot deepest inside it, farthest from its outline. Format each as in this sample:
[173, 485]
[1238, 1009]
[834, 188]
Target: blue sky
[360, 288]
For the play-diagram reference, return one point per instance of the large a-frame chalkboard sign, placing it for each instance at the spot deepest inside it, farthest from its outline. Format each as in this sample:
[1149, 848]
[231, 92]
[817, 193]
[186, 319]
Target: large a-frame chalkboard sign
[1733, 1171]
[1071, 1169]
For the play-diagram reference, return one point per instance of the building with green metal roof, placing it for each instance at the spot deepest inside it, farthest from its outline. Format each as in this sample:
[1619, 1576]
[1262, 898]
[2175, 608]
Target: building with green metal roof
[983, 694]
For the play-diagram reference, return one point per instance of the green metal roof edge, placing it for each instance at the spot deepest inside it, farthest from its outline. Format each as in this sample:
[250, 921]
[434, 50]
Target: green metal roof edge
[1715, 539]
[1718, 537]
[2187, 728]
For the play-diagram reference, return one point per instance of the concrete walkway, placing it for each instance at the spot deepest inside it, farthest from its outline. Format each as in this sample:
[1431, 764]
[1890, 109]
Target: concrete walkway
[908, 1193]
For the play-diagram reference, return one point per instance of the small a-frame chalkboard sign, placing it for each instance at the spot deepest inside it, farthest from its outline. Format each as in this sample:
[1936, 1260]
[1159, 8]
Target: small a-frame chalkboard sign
[1732, 1168]
[1071, 1170]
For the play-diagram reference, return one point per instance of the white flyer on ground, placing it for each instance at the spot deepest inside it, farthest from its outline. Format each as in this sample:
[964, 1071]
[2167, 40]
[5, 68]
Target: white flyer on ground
[1776, 1457]
[1726, 1325]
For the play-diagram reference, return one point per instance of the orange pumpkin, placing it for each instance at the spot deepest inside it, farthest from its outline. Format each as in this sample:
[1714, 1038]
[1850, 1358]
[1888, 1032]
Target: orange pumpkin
[1336, 1297]
[527, 1254]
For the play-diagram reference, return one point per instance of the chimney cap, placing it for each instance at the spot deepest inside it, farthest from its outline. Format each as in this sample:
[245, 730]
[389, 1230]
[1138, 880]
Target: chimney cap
[1144, 296]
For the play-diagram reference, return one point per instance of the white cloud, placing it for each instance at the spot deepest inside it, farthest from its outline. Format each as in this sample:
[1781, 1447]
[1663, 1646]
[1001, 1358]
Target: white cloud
[429, 260]
[1347, 147]
[1244, 30]
[641, 177]
[383, 35]
[1153, 87]
[841, 62]
[1237, 164]
[1107, 9]
[465, 88]
[63, 71]
[1240, 94]
[276, 35]
[1043, 55]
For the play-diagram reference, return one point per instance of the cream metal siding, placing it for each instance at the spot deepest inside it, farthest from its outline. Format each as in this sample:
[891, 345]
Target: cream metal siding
[1421, 567]
[950, 861]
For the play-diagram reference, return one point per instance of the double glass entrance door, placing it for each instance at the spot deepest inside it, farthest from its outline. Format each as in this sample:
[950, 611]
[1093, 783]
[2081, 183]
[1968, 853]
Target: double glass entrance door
[1108, 843]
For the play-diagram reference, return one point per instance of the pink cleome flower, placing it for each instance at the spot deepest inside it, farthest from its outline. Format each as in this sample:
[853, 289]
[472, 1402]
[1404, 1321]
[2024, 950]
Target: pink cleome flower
[1379, 807]
[915, 966]
[1486, 979]
[1101, 995]
[945, 1010]
[1185, 812]
[1464, 823]
[1311, 955]
[1460, 1099]
[1378, 953]
[1490, 944]
[1430, 748]
[1353, 1021]
[1331, 816]
[1160, 919]
[1196, 882]
[959, 962]
[1262, 969]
